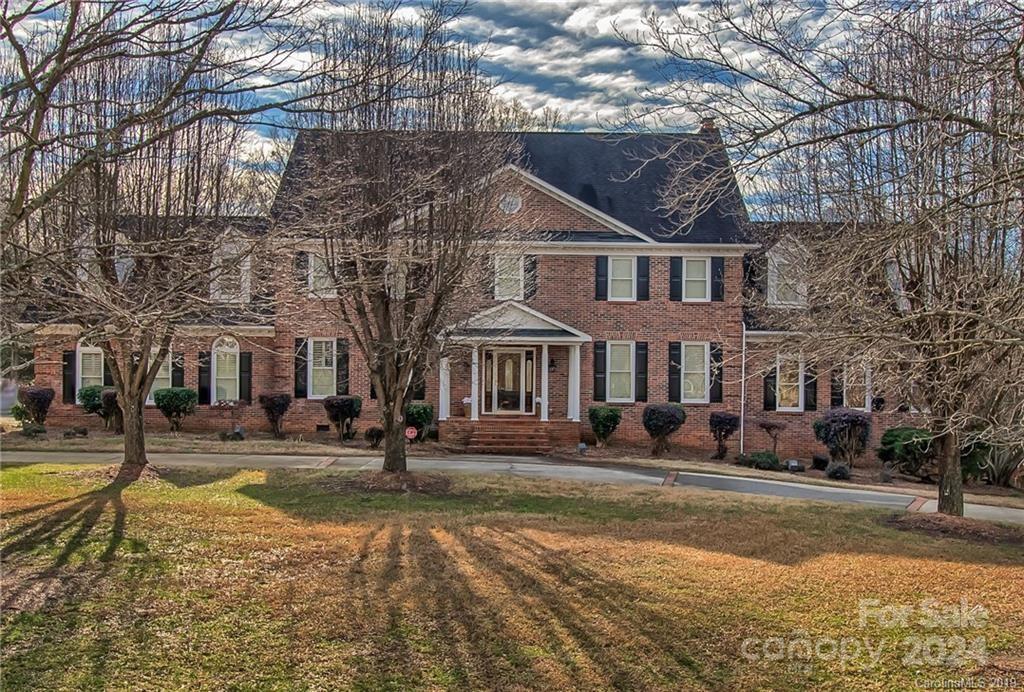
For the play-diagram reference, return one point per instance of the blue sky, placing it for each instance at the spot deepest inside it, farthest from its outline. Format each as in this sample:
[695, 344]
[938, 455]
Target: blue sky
[564, 53]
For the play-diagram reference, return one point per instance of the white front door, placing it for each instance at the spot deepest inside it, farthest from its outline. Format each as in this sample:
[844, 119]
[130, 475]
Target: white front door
[508, 380]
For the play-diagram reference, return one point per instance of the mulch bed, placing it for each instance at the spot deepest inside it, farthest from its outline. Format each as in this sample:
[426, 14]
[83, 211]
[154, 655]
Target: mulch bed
[112, 473]
[944, 526]
[377, 481]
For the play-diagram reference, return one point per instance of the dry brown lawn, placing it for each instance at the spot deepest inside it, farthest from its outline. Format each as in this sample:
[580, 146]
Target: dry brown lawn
[212, 579]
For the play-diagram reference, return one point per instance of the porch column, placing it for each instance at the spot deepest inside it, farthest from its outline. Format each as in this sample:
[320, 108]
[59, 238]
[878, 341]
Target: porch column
[544, 383]
[444, 401]
[474, 390]
[574, 383]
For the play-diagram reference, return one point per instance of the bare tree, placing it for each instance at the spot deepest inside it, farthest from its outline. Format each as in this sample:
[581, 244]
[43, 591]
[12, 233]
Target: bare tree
[893, 134]
[396, 198]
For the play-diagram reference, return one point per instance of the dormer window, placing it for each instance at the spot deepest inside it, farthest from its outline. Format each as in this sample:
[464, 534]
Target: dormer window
[230, 282]
[786, 286]
[320, 282]
[509, 277]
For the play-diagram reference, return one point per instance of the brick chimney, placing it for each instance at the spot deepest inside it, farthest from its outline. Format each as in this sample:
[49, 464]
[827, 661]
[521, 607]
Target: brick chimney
[708, 125]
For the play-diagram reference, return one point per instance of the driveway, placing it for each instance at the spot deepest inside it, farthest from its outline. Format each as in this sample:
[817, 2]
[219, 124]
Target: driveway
[535, 467]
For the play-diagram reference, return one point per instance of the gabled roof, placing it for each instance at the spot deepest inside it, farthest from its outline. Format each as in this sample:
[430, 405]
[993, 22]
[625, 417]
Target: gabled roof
[617, 177]
[512, 321]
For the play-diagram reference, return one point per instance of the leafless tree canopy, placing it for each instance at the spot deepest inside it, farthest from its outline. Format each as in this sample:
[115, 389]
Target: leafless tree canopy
[890, 136]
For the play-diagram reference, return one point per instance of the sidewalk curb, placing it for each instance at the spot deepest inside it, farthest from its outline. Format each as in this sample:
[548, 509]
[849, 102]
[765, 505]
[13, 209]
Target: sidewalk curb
[917, 504]
[670, 479]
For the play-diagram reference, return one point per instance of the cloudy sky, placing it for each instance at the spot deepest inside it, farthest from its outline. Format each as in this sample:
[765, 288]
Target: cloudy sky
[564, 53]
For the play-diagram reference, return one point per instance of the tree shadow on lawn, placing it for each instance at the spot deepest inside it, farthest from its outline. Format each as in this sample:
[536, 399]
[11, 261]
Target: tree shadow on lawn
[776, 531]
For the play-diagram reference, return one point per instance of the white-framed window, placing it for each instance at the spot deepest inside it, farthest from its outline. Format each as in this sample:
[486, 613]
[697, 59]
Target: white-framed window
[90, 366]
[320, 282]
[231, 276]
[622, 278]
[789, 382]
[620, 360]
[509, 277]
[697, 279]
[857, 387]
[163, 376]
[225, 369]
[323, 368]
[695, 372]
[786, 287]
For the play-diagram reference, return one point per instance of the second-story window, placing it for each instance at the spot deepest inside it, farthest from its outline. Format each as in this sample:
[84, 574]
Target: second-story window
[231, 279]
[320, 281]
[786, 285]
[697, 279]
[509, 277]
[622, 278]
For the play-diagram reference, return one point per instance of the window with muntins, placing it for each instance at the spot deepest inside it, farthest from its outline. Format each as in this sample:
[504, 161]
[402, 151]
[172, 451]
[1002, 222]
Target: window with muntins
[225, 369]
[622, 278]
[789, 383]
[695, 373]
[163, 376]
[509, 277]
[90, 366]
[322, 368]
[620, 371]
[697, 279]
[857, 388]
[320, 282]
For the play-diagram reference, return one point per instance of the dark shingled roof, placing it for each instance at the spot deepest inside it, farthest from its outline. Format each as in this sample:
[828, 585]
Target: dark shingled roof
[606, 172]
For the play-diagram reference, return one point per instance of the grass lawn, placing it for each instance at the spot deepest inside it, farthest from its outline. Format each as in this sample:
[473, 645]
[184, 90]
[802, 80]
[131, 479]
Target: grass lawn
[297, 580]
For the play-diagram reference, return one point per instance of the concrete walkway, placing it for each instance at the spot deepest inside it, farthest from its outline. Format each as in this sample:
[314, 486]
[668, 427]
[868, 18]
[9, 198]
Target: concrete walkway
[535, 467]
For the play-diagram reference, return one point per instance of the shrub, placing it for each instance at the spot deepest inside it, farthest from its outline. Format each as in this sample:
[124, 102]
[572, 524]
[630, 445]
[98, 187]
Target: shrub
[374, 436]
[20, 413]
[722, 425]
[772, 429]
[275, 406]
[603, 421]
[342, 411]
[36, 401]
[660, 421]
[838, 472]
[1003, 465]
[845, 432]
[176, 403]
[973, 457]
[91, 399]
[30, 429]
[419, 416]
[111, 411]
[909, 451]
[766, 461]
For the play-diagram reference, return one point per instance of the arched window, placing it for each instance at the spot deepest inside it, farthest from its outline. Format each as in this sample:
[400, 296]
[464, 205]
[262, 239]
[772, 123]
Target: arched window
[90, 365]
[225, 369]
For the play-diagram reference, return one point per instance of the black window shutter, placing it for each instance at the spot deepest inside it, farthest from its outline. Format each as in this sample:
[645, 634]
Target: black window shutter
[715, 356]
[643, 278]
[675, 371]
[640, 382]
[601, 279]
[675, 278]
[108, 377]
[301, 361]
[245, 376]
[769, 390]
[373, 390]
[302, 268]
[600, 378]
[68, 374]
[419, 385]
[177, 369]
[204, 378]
[341, 372]
[489, 276]
[810, 389]
[836, 388]
[718, 278]
[530, 277]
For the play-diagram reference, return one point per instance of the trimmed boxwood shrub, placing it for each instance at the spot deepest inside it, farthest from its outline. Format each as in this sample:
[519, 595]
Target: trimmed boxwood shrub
[20, 414]
[342, 411]
[419, 416]
[845, 432]
[722, 425]
[275, 406]
[603, 421]
[766, 461]
[374, 436]
[909, 451]
[176, 403]
[660, 421]
[36, 401]
[91, 399]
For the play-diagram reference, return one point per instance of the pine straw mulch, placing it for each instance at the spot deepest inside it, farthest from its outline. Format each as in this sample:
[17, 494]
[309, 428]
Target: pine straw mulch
[944, 526]
[379, 481]
[115, 472]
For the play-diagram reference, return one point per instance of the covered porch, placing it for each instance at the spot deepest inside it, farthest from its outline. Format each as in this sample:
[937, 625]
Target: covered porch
[516, 370]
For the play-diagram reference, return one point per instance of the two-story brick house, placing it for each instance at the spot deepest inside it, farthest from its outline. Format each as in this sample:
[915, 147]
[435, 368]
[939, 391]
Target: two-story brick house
[611, 304]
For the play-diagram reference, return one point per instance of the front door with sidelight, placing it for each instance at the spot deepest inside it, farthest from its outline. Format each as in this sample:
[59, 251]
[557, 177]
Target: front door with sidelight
[508, 380]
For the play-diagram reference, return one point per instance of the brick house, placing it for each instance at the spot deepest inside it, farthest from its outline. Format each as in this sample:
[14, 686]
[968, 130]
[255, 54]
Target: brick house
[607, 307]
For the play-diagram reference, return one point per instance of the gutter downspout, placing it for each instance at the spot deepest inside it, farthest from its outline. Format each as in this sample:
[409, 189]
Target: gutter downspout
[743, 383]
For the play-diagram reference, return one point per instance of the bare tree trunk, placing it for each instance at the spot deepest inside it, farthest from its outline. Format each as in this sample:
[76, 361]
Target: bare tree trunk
[951, 483]
[394, 445]
[134, 433]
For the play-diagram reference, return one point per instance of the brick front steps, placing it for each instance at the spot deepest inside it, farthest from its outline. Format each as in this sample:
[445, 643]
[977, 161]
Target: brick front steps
[524, 435]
